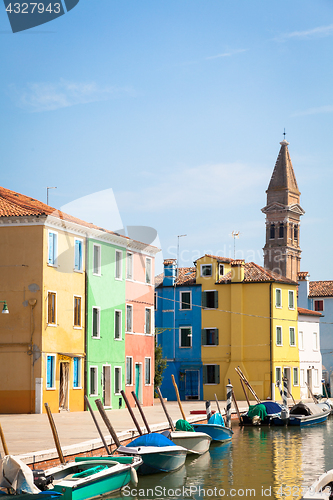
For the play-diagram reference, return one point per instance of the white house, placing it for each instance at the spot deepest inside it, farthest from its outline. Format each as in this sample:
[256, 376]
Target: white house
[310, 361]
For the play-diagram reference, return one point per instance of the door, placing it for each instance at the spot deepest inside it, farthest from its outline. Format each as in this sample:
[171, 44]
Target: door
[138, 381]
[64, 386]
[286, 374]
[191, 384]
[309, 381]
[107, 385]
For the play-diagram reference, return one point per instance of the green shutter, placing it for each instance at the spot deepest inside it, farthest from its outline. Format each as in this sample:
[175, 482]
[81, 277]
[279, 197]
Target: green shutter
[203, 337]
[204, 374]
[217, 336]
[204, 299]
[217, 374]
[216, 299]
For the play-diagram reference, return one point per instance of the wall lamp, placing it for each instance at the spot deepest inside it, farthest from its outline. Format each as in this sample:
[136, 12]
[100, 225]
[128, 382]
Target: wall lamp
[5, 307]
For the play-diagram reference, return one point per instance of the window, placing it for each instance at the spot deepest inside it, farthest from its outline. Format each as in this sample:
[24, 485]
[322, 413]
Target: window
[315, 341]
[221, 269]
[97, 260]
[117, 380]
[281, 231]
[272, 232]
[119, 257]
[300, 340]
[206, 270]
[278, 374]
[292, 336]
[147, 371]
[53, 243]
[278, 297]
[129, 370]
[318, 305]
[210, 299]
[78, 255]
[291, 299]
[77, 312]
[93, 390]
[210, 336]
[76, 373]
[279, 335]
[185, 300]
[148, 321]
[295, 232]
[295, 376]
[129, 318]
[302, 377]
[117, 325]
[96, 322]
[148, 270]
[185, 336]
[50, 372]
[155, 301]
[51, 308]
[211, 374]
[129, 266]
[315, 378]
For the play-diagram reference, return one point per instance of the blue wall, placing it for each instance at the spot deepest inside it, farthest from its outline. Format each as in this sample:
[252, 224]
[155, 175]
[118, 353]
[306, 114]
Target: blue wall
[180, 359]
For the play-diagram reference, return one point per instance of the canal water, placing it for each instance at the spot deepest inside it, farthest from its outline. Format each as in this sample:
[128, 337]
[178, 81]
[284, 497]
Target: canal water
[259, 462]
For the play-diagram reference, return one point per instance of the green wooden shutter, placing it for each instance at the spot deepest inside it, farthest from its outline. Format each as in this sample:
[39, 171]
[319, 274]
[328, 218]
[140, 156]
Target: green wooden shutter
[216, 336]
[216, 299]
[204, 299]
[217, 374]
[204, 374]
[203, 337]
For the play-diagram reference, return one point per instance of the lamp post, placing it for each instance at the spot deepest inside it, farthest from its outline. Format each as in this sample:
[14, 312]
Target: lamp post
[5, 307]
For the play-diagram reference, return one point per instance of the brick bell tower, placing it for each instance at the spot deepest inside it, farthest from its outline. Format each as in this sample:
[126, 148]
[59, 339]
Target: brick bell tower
[282, 252]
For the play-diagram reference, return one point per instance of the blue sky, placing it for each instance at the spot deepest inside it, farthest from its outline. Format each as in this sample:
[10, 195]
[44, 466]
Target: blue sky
[178, 107]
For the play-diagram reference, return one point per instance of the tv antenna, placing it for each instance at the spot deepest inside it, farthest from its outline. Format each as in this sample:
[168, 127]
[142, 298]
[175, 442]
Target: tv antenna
[235, 234]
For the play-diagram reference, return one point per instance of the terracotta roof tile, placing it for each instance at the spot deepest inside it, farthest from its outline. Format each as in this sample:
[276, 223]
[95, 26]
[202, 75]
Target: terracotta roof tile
[186, 276]
[308, 312]
[218, 258]
[255, 273]
[321, 289]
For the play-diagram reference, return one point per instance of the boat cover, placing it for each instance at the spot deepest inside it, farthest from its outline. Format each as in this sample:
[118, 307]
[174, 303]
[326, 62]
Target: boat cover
[271, 407]
[257, 410]
[307, 409]
[90, 472]
[16, 474]
[152, 439]
[184, 425]
[216, 419]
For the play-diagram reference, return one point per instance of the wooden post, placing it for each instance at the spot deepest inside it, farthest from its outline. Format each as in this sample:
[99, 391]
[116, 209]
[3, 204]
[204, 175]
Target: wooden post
[141, 412]
[97, 426]
[217, 404]
[55, 433]
[178, 398]
[172, 427]
[325, 390]
[107, 421]
[236, 406]
[311, 393]
[247, 383]
[247, 398]
[4, 445]
[136, 423]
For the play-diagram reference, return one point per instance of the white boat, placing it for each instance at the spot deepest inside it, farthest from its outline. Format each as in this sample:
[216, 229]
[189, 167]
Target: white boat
[195, 442]
[322, 488]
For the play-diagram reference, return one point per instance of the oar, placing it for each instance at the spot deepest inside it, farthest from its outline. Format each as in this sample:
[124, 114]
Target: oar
[4, 445]
[131, 412]
[217, 404]
[141, 412]
[55, 433]
[97, 426]
[172, 427]
[243, 386]
[236, 406]
[311, 393]
[178, 398]
[107, 422]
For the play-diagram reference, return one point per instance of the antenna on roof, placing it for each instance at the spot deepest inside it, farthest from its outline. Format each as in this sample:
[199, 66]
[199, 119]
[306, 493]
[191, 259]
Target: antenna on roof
[179, 236]
[284, 134]
[235, 234]
[47, 194]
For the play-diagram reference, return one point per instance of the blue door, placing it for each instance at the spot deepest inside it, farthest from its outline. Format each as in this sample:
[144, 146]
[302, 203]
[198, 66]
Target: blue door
[191, 384]
[138, 381]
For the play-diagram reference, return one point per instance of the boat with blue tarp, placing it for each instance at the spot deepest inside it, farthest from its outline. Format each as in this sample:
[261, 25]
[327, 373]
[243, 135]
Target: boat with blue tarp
[262, 413]
[215, 428]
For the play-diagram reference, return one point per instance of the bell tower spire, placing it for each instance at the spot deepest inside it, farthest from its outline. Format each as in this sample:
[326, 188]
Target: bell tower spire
[282, 252]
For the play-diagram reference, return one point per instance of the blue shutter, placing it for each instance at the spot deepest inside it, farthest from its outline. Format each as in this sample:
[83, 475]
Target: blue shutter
[51, 248]
[76, 372]
[49, 371]
[77, 264]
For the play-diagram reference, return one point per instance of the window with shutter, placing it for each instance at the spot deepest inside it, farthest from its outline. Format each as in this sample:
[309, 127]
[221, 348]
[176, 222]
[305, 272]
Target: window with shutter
[278, 335]
[76, 372]
[291, 300]
[148, 322]
[77, 312]
[117, 325]
[52, 250]
[50, 372]
[211, 374]
[117, 380]
[78, 255]
[97, 260]
[185, 300]
[278, 297]
[185, 336]
[96, 322]
[51, 308]
[118, 274]
[93, 381]
[210, 336]
[292, 336]
[210, 299]
[129, 370]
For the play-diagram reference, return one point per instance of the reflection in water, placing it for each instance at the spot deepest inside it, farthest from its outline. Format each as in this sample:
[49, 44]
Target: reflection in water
[267, 462]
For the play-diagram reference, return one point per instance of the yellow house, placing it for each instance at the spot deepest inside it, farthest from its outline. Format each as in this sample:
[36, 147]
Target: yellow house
[42, 280]
[249, 319]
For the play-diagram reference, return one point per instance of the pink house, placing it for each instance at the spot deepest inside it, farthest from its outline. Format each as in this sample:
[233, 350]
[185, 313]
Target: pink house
[139, 327]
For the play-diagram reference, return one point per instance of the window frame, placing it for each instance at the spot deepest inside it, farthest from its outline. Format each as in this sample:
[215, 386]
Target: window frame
[206, 275]
[294, 330]
[118, 265]
[120, 325]
[205, 374]
[181, 300]
[291, 293]
[126, 374]
[151, 321]
[79, 268]
[77, 326]
[95, 368]
[216, 299]
[184, 327]
[148, 276]
[148, 383]
[131, 277]
[98, 336]
[205, 335]
[295, 370]
[127, 330]
[221, 266]
[115, 380]
[54, 262]
[276, 335]
[98, 247]
[52, 292]
[79, 373]
[53, 373]
[318, 301]
[276, 296]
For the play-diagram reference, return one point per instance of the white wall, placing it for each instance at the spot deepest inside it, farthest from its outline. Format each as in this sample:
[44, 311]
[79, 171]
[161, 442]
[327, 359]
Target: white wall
[309, 355]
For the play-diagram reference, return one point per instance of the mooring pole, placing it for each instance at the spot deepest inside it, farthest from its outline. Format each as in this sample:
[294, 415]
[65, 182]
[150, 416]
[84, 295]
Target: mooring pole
[208, 410]
[141, 412]
[107, 422]
[136, 423]
[172, 427]
[55, 433]
[229, 397]
[97, 426]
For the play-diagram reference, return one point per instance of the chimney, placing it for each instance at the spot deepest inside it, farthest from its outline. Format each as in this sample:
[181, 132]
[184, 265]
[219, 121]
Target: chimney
[237, 271]
[303, 290]
[170, 271]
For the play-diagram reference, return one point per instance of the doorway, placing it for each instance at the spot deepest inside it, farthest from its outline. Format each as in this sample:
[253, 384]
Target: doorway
[138, 381]
[191, 384]
[309, 381]
[107, 385]
[64, 386]
[287, 375]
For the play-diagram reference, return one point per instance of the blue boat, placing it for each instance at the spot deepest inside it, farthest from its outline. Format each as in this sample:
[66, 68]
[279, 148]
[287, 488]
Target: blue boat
[158, 453]
[303, 414]
[262, 413]
[215, 428]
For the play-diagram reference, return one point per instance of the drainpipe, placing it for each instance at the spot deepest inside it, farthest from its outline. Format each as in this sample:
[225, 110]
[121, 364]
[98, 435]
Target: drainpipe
[271, 342]
[85, 323]
[174, 322]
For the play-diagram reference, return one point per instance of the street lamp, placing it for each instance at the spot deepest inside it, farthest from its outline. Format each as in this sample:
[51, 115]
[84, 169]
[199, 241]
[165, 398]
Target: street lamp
[5, 307]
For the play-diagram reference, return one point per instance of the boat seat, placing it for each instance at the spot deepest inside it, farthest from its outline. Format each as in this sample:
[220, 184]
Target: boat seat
[90, 472]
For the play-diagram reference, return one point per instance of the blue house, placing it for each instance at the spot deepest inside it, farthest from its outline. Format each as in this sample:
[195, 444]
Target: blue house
[178, 326]
[318, 296]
